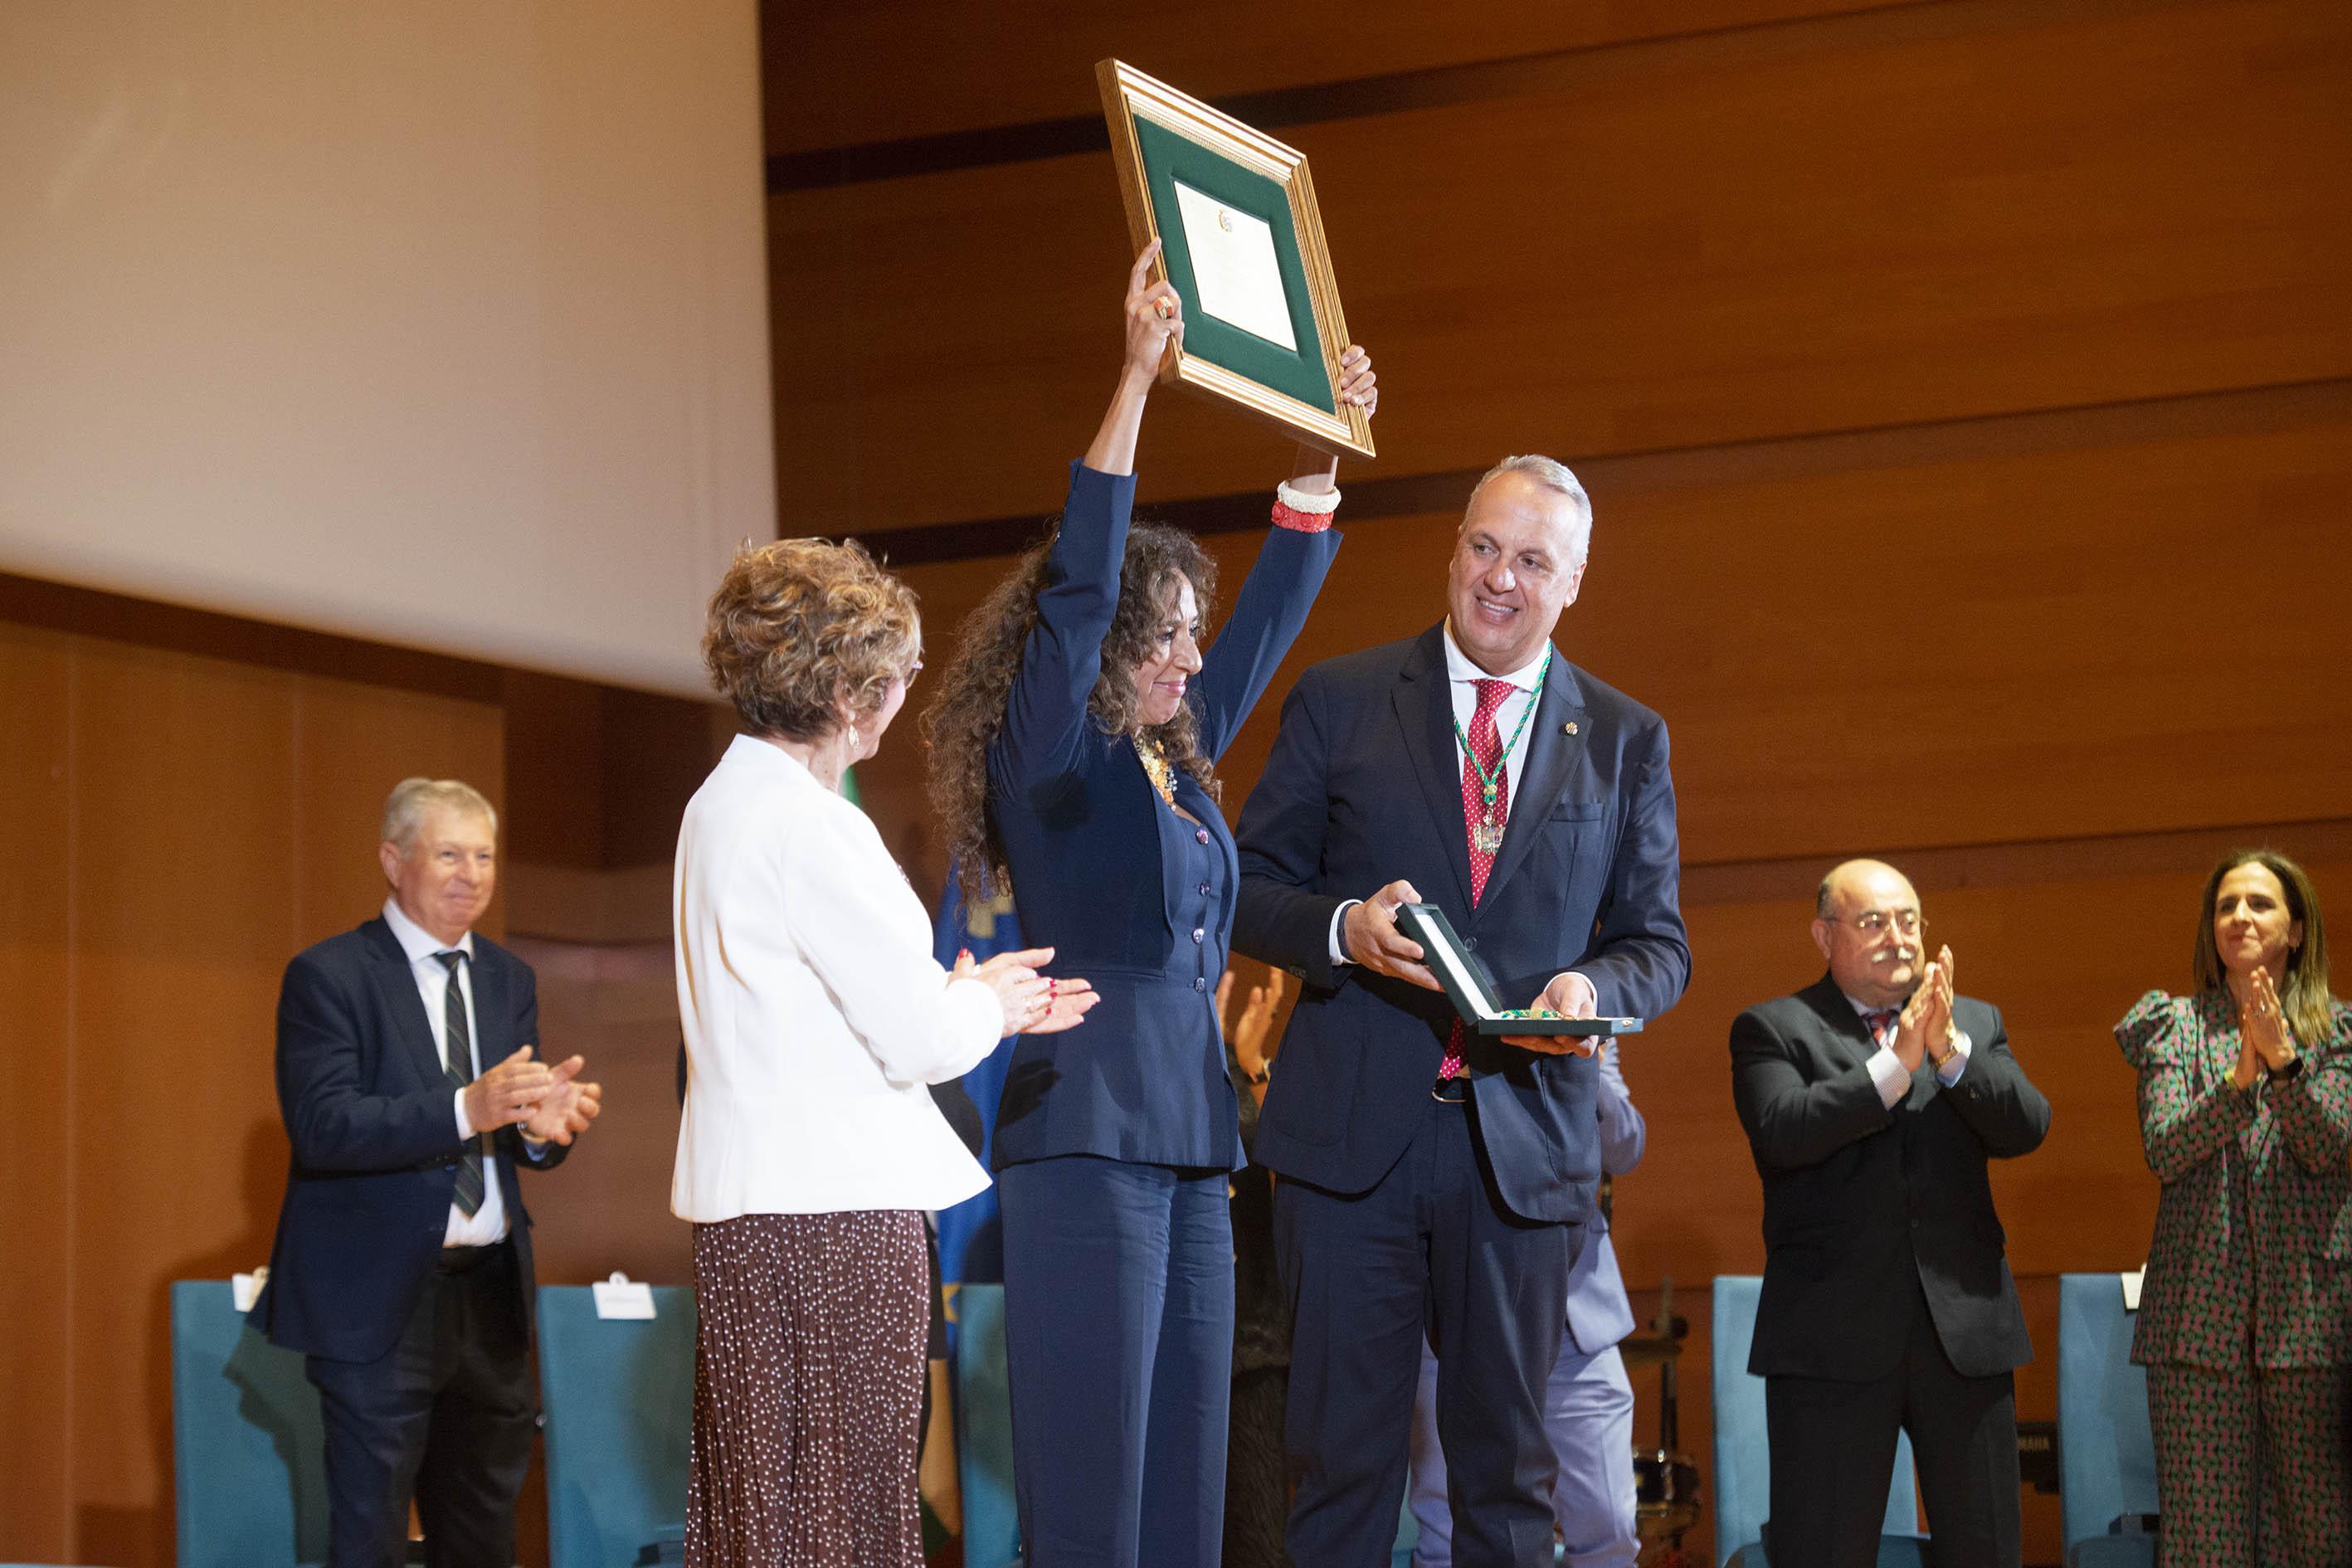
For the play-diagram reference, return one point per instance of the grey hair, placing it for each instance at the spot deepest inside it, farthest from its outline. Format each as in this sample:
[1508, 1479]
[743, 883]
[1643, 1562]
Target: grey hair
[412, 800]
[1552, 475]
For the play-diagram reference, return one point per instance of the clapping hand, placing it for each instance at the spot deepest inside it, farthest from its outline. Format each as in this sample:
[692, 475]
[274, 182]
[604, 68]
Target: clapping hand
[564, 1111]
[2263, 1023]
[1927, 1015]
[1249, 1032]
[1570, 995]
[1033, 1003]
[507, 1094]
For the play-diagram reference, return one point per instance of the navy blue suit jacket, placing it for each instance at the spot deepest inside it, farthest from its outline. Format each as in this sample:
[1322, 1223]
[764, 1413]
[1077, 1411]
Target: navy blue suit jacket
[1107, 875]
[1363, 788]
[366, 1102]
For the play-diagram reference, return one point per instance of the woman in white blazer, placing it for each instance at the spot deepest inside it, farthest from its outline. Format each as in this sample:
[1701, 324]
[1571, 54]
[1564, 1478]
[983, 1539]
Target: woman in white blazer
[813, 1016]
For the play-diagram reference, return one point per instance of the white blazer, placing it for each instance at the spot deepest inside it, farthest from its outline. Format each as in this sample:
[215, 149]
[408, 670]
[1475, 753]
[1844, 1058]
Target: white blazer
[812, 1009]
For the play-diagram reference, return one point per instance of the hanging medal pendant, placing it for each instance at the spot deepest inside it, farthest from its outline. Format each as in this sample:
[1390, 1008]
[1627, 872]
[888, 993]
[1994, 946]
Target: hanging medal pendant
[1486, 837]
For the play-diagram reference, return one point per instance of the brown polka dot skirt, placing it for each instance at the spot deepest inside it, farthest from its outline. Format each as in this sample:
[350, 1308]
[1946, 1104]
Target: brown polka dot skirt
[808, 1386]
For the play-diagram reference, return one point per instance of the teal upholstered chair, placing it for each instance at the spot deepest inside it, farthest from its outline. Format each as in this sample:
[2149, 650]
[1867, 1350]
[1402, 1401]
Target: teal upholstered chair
[1743, 1474]
[2107, 1453]
[619, 1398]
[248, 1449]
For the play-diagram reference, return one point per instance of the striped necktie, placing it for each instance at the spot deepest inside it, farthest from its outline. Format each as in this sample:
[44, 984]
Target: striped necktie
[460, 1038]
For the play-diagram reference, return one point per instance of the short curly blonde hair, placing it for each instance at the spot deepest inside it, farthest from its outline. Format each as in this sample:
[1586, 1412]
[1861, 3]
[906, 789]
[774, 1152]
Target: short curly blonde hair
[800, 628]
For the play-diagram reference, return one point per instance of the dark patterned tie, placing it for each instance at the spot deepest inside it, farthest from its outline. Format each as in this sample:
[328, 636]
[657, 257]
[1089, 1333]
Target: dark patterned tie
[459, 1041]
[1486, 746]
[1881, 1024]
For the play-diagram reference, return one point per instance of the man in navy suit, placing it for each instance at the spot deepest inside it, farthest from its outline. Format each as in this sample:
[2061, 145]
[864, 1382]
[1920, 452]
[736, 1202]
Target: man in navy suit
[1435, 1184]
[402, 1270]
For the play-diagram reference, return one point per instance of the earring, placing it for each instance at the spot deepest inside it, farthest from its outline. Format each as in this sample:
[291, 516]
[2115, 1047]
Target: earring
[853, 738]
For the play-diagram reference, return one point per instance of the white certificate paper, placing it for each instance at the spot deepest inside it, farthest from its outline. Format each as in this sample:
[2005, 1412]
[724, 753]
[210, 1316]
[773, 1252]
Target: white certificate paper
[1234, 268]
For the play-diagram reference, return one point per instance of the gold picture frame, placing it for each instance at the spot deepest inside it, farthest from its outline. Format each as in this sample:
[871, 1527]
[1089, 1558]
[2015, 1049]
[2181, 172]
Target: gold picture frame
[1175, 156]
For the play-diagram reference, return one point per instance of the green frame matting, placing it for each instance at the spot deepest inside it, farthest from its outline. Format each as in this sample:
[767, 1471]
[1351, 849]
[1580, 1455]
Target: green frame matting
[1169, 157]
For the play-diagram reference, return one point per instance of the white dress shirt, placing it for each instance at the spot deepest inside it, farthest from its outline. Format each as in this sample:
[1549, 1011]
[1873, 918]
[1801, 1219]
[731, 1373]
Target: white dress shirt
[1462, 677]
[1886, 1068]
[813, 1010]
[487, 1225]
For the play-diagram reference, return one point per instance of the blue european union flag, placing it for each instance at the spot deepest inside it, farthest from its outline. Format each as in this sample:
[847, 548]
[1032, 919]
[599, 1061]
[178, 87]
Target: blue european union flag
[972, 1236]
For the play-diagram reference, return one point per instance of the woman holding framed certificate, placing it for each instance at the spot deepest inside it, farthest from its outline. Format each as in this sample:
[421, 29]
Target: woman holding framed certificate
[1073, 754]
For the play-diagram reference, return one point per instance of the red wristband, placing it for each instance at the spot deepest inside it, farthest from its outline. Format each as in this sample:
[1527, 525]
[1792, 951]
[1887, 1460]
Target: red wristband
[1300, 521]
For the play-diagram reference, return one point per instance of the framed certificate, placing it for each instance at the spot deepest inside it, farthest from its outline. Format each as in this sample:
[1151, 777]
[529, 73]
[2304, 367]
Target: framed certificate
[1472, 995]
[1241, 241]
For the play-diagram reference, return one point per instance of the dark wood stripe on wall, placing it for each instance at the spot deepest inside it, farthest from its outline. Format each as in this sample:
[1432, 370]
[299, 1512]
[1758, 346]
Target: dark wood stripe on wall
[1393, 92]
[1369, 499]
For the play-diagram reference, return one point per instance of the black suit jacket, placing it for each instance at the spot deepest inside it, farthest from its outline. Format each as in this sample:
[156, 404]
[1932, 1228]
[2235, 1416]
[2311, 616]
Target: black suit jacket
[1864, 1204]
[1364, 787]
[366, 1103]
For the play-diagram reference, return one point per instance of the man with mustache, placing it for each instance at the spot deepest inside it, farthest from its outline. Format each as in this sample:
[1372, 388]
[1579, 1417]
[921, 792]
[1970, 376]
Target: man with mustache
[1873, 1100]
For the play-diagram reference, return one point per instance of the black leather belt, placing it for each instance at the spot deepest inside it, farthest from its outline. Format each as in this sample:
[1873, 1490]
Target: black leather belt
[466, 1259]
[1451, 1091]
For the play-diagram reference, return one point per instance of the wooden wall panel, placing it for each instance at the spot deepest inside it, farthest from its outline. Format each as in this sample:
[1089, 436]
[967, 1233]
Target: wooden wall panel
[978, 66]
[1940, 212]
[608, 1206]
[181, 904]
[37, 1167]
[1889, 646]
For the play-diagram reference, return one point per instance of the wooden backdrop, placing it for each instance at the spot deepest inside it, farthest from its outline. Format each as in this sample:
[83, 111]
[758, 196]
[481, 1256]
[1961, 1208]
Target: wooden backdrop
[1965, 389]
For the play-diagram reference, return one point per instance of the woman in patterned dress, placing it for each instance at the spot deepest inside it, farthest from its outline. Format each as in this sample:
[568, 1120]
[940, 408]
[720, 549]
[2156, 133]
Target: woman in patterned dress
[2245, 1108]
[813, 1016]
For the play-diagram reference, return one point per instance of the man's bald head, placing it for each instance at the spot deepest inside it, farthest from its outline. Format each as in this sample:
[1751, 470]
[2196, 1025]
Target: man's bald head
[1867, 923]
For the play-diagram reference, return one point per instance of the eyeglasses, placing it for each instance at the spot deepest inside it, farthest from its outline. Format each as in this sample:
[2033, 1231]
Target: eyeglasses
[1874, 922]
[907, 675]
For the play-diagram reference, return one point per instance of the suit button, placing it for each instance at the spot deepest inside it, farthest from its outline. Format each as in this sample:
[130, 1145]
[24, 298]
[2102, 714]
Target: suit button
[1470, 943]
[450, 1166]
[1200, 985]
[1198, 933]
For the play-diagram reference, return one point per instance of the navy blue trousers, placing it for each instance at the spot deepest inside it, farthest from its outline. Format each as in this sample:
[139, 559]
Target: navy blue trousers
[1119, 1321]
[1430, 1250]
[447, 1414]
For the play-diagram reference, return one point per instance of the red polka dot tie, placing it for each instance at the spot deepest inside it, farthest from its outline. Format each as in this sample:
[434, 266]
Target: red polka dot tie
[1486, 746]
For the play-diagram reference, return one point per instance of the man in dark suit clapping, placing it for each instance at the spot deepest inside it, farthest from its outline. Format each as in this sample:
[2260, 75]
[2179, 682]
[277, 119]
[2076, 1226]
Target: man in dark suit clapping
[407, 1078]
[1433, 1183]
[1872, 1099]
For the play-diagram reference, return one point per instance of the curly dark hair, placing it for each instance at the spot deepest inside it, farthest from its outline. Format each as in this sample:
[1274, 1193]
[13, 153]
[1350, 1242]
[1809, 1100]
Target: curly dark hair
[965, 716]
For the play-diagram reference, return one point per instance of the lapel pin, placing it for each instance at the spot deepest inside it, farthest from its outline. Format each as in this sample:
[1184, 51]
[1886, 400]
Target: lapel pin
[1569, 728]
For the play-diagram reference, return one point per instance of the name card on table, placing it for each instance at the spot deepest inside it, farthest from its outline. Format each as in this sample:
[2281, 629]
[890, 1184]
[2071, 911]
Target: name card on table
[622, 1297]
